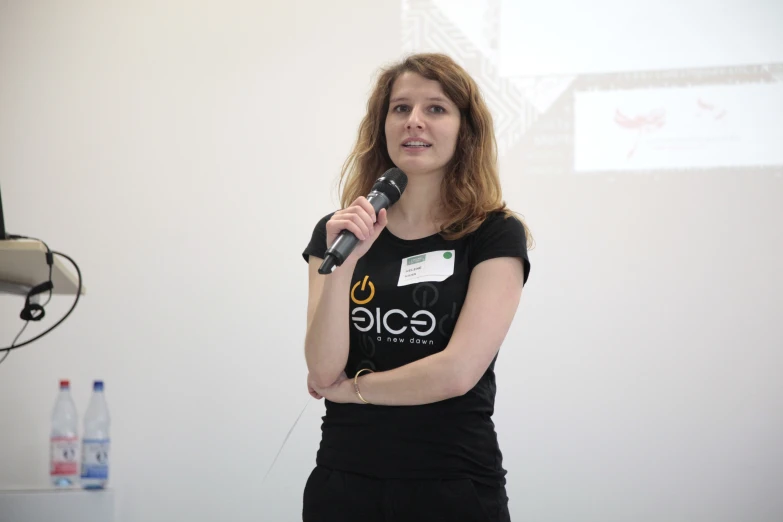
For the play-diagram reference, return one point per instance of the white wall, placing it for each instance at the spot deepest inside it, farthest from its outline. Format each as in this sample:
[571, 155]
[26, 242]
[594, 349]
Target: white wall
[181, 152]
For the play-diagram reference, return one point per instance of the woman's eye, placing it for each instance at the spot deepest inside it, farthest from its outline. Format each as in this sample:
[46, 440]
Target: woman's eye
[436, 109]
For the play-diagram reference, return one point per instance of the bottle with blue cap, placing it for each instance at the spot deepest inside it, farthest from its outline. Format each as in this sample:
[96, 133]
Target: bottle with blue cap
[95, 441]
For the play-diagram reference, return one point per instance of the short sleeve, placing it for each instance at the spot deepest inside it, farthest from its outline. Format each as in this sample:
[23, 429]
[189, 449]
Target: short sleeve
[317, 245]
[500, 236]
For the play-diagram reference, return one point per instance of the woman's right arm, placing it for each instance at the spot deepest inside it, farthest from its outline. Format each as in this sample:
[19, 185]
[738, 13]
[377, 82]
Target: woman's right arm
[327, 339]
[326, 342]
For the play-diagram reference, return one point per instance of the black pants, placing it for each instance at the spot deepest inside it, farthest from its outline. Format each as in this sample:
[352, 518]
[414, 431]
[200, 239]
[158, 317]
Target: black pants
[332, 495]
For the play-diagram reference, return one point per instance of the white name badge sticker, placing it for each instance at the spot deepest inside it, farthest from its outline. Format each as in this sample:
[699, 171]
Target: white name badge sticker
[432, 266]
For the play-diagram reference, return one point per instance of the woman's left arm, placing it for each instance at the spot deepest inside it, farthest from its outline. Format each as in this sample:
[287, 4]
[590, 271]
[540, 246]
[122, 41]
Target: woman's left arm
[491, 302]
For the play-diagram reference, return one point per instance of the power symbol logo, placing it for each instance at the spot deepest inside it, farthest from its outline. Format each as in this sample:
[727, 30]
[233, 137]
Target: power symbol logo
[365, 283]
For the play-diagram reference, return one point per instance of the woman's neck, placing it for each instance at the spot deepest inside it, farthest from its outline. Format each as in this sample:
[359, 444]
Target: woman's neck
[418, 210]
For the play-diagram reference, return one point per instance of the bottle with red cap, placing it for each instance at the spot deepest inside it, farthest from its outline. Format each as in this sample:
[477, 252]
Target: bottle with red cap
[64, 441]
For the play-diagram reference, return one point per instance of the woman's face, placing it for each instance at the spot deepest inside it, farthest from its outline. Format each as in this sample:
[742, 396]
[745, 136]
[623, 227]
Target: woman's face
[421, 127]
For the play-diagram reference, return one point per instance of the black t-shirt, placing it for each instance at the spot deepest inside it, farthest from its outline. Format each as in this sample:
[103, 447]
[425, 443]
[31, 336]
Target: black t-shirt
[403, 307]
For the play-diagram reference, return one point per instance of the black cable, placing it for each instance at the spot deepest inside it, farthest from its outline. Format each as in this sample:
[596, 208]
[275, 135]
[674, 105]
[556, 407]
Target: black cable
[5, 356]
[55, 325]
[49, 259]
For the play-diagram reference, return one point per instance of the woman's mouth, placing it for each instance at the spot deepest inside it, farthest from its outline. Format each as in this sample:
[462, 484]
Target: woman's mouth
[416, 145]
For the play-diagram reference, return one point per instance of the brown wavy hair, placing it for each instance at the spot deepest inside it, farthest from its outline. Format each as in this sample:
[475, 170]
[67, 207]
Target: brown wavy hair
[471, 186]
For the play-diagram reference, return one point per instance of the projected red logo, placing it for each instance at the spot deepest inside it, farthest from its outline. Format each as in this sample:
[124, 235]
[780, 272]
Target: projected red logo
[641, 124]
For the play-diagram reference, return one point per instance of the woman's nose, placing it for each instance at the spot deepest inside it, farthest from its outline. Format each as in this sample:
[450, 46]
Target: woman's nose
[414, 119]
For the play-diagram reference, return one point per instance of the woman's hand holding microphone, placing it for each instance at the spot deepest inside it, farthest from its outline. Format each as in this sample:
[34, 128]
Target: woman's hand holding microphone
[359, 218]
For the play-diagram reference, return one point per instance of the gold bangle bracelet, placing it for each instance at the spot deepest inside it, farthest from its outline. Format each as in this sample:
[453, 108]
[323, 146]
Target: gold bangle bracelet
[356, 383]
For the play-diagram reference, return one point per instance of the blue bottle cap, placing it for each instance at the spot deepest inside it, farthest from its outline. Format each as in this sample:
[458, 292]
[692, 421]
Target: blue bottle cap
[97, 386]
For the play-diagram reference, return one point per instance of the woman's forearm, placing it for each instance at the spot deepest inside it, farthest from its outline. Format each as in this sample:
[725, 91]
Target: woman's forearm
[432, 379]
[327, 341]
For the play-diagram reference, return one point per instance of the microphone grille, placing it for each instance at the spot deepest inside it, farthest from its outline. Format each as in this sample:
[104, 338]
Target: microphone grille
[392, 183]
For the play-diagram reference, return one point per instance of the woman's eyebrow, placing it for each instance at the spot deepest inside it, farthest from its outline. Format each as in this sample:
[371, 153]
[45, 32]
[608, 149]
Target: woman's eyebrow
[433, 98]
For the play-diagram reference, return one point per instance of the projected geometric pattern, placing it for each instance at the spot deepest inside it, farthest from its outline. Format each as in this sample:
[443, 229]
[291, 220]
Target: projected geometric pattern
[515, 104]
[534, 116]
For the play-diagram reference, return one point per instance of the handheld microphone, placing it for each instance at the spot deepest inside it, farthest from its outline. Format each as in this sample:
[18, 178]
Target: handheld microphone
[385, 192]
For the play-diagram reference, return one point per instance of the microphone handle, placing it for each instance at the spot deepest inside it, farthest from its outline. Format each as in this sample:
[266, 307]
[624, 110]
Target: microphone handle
[346, 241]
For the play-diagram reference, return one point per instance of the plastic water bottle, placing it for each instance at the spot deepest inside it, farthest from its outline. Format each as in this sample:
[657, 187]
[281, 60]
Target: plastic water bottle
[64, 439]
[95, 441]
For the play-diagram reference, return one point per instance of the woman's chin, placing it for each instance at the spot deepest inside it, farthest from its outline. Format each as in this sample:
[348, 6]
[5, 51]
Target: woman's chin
[416, 168]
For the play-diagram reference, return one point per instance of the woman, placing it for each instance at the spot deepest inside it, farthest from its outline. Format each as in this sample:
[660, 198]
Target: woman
[402, 338]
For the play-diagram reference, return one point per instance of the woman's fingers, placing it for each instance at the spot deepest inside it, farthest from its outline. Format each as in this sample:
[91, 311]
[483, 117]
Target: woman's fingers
[335, 226]
[368, 209]
[383, 219]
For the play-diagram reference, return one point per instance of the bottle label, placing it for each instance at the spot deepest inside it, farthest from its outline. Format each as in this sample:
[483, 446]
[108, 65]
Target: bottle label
[63, 456]
[95, 459]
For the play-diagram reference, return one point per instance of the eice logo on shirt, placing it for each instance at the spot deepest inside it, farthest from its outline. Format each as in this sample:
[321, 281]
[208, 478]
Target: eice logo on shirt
[422, 322]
